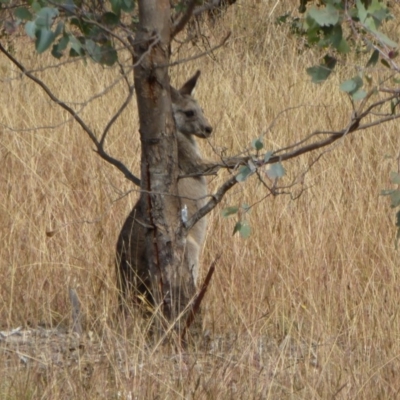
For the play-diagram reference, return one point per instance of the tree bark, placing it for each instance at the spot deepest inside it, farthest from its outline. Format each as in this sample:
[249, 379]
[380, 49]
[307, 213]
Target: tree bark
[172, 283]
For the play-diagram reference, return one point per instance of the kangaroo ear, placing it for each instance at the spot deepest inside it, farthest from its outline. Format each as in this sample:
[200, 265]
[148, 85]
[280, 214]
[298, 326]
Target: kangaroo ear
[175, 95]
[188, 87]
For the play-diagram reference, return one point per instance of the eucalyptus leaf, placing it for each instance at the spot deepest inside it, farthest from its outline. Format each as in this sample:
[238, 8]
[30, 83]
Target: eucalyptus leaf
[93, 50]
[245, 230]
[257, 144]
[45, 17]
[30, 29]
[361, 11]
[359, 95]
[76, 46]
[226, 212]
[267, 156]
[395, 198]
[351, 86]
[110, 19]
[321, 72]
[109, 55]
[325, 16]
[373, 59]
[244, 173]
[395, 177]
[237, 227]
[44, 38]
[23, 13]
[276, 171]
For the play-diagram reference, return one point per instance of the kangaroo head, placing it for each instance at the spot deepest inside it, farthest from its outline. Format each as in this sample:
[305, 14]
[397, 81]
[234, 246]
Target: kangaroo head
[188, 115]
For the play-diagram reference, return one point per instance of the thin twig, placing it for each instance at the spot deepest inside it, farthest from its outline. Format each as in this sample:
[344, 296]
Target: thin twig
[117, 114]
[184, 20]
[197, 302]
[99, 149]
[197, 55]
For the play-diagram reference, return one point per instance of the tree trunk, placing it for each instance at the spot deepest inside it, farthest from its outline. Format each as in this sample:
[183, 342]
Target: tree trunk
[172, 283]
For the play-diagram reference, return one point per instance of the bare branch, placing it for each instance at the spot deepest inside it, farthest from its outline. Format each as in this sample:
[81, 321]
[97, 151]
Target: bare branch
[197, 55]
[196, 304]
[215, 200]
[117, 114]
[184, 20]
[99, 148]
[232, 163]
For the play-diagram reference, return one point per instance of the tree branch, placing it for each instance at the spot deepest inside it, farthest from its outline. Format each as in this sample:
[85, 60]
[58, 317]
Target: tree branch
[99, 146]
[215, 200]
[184, 20]
[234, 162]
[197, 55]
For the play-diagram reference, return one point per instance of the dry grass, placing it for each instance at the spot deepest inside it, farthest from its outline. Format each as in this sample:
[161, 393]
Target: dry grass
[307, 308]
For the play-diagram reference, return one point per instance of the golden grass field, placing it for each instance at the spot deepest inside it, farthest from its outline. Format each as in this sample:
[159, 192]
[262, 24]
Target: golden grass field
[306, 308]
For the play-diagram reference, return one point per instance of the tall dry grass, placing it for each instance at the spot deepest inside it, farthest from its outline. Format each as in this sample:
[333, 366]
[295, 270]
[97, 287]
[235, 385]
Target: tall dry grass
[307, 308]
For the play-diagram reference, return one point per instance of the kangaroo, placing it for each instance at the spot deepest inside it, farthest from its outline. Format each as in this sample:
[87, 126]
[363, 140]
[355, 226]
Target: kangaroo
[131, 256]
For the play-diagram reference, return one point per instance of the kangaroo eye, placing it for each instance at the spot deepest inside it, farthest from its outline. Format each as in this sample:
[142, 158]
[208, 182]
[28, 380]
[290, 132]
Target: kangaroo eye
[189, 113]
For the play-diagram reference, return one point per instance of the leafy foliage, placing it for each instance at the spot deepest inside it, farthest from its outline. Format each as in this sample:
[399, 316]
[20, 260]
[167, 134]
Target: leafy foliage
[82, 28]
[341, 27]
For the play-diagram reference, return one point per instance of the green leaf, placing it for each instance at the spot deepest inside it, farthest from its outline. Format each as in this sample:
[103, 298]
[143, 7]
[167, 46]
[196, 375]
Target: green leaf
[44, 39]
[59, 28]
[385, 63]
[395, 198]
[318, 73]
[359, 95]
[395, 178]
[116, 6]
[245, 230]
[127, 5]
[109, 55]
[343, 47]
[361, 11]
[321, 72]
[110, 19]
[226, 212]
[326, 16]
[94, 51]
[124, 5]
[45, 17]
[276, 171]
[385, 40]
[257, 144]
[76, 47]
[60, 47]
[334, 35]
[237, 227]
[267, 156]
[36, 6]
[30, 29]
[23, 13]
[244, 173]
[352, 85]
[373, 59]
[69, 7]
[348, 86]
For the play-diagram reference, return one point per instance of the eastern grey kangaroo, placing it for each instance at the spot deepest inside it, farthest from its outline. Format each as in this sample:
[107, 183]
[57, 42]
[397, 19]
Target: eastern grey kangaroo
[133, 275]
